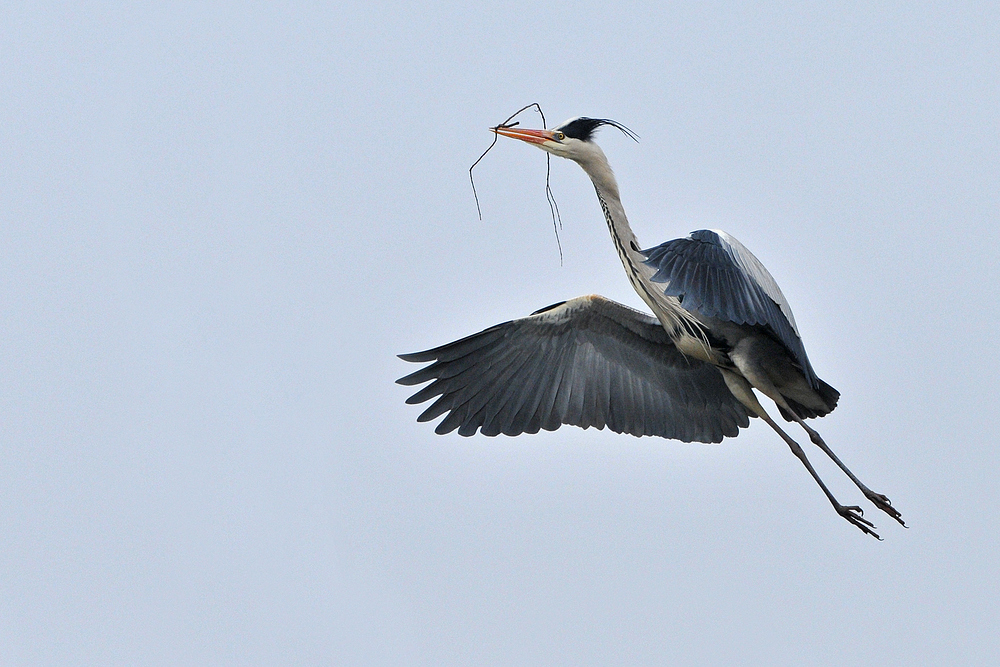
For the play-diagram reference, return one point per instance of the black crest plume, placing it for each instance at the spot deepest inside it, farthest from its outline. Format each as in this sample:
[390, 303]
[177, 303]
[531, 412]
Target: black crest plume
[584, 128]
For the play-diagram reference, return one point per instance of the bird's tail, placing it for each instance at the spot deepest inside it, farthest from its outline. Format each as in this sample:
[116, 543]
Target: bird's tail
[827, 394]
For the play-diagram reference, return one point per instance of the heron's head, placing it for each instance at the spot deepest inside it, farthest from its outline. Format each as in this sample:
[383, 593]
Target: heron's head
[572, 140]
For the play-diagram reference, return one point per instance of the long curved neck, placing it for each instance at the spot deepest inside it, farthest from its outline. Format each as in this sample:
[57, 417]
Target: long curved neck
[678, 322]
[597, 167]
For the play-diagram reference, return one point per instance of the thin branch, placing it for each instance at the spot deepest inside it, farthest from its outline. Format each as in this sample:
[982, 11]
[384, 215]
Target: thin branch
[549, 197]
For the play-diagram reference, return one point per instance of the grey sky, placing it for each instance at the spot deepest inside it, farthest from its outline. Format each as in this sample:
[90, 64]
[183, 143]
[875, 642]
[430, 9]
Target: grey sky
[220, 222]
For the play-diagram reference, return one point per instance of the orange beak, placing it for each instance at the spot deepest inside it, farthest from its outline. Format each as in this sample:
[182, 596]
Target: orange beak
[531, 136]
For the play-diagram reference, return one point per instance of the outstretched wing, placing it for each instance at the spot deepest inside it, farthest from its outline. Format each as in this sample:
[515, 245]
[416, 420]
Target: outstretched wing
[586, 362]
[712, 273]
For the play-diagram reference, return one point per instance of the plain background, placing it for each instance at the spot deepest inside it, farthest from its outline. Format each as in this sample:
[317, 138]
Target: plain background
[220, 222]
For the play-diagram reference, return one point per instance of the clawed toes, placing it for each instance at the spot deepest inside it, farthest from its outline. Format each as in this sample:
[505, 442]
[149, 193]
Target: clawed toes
[885, 505]
[854, 515]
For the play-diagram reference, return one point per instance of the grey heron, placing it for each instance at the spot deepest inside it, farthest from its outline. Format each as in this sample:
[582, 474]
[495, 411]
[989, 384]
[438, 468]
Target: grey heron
[722, 328]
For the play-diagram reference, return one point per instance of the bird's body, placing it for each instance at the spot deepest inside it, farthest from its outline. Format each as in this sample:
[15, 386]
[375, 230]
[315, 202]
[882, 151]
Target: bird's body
[722, 329]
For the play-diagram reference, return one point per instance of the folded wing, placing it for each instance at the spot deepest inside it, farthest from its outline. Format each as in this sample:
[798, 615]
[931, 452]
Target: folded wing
[714, 274]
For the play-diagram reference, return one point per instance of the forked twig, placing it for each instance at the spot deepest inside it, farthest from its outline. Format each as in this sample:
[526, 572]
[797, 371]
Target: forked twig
[549, 197]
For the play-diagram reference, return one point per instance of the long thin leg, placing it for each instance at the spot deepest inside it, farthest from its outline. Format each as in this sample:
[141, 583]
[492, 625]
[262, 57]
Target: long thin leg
[744, 393]
[880, 501]
[759, 378]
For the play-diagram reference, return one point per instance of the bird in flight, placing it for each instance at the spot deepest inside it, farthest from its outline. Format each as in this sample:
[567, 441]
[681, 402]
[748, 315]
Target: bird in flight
[721, 328]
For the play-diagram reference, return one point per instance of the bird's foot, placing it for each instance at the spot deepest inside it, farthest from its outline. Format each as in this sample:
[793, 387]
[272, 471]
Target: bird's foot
[855, 515]
[885, 505]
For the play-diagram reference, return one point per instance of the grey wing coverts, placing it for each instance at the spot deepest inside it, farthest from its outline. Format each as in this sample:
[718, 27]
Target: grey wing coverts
[714, 274]
[586, 362]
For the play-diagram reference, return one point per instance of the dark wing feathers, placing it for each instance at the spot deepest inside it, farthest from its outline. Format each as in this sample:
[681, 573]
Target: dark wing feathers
[713, 274]
[587, 362]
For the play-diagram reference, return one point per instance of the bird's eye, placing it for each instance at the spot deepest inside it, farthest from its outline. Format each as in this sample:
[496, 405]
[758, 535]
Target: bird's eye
[558, 136]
